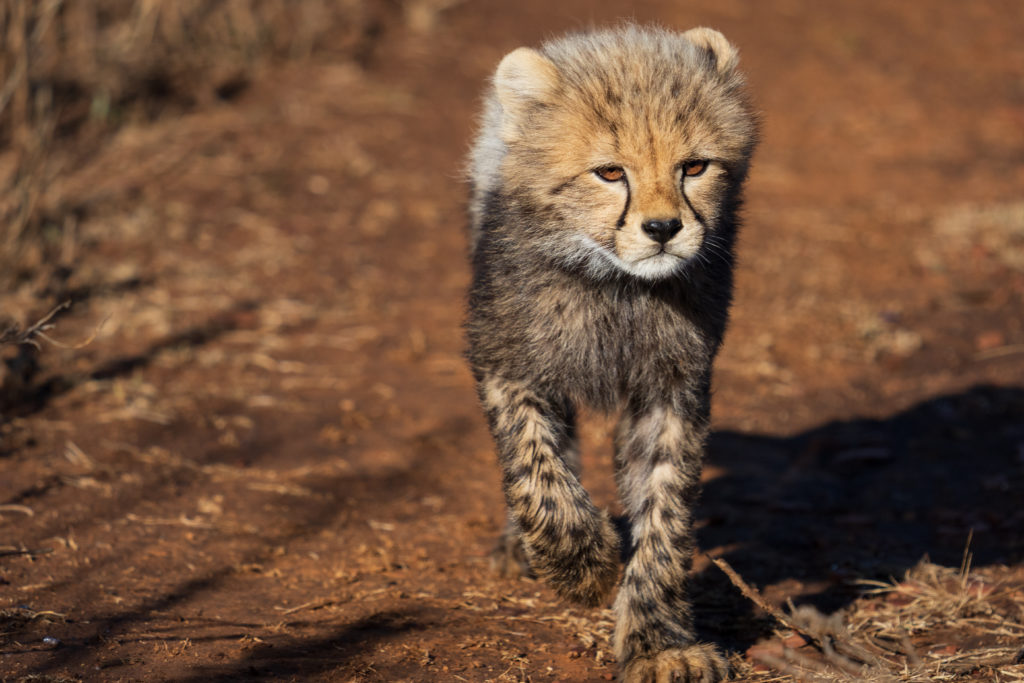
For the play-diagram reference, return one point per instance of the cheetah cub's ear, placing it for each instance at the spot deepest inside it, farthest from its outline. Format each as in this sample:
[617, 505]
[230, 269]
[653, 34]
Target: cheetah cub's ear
[524, 77]
[724, 56]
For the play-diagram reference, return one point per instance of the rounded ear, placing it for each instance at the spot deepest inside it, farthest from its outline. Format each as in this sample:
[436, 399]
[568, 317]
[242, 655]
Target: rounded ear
[523, 77]
[721, 51]
[524, 74]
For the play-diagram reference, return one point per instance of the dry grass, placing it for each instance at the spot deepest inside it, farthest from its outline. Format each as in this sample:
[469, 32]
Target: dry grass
[936, 624]
[73, 72]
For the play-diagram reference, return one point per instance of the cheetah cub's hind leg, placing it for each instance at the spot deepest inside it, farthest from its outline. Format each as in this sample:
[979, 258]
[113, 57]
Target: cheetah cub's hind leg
[566, 539]
[658, 462]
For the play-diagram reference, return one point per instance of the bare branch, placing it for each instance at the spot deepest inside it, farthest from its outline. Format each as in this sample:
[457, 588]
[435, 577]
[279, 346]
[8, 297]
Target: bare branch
[12, 335]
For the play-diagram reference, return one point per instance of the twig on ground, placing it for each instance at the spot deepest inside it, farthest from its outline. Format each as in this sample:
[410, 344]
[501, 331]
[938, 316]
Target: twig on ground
[312, 605]
[827, 633]
[13, 335]
[82, 344]
[755, 597]
[181, 521]
[23, 509]
[9, 552]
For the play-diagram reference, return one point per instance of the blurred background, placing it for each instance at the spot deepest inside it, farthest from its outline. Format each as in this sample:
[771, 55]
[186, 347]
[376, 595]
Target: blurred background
[237, 436]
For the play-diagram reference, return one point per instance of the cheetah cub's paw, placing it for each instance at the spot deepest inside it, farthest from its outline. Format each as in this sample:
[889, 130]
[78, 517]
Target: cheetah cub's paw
[508, 558]
[700, 663]
[590, 573]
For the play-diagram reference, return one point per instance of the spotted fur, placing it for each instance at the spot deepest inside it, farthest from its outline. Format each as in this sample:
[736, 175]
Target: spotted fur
[608, 289]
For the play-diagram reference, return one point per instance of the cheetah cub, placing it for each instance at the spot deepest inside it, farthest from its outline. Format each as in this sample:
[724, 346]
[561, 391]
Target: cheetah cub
[606, 181]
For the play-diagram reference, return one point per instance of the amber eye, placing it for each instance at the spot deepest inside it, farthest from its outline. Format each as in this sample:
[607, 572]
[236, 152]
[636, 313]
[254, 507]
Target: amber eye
[610, 173]
[694, 168]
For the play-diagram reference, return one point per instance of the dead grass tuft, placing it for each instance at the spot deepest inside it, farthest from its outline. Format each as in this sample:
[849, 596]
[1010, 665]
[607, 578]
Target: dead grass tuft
[936, 624]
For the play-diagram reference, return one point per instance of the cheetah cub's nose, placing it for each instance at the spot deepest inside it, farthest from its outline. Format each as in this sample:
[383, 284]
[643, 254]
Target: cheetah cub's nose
[662, 230]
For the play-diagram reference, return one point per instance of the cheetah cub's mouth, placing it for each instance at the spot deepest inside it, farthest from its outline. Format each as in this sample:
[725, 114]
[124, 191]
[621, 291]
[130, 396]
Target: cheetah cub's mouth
[660, 262]
[666, 258]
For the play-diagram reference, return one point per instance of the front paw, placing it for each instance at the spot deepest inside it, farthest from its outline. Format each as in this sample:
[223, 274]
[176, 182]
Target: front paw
[699, 663]
[581, 570]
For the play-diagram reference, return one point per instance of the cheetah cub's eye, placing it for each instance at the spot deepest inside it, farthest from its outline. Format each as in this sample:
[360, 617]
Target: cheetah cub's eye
[611, 174]
[694, 168]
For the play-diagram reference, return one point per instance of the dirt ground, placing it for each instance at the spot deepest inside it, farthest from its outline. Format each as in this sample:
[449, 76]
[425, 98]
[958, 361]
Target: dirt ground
[269, 463]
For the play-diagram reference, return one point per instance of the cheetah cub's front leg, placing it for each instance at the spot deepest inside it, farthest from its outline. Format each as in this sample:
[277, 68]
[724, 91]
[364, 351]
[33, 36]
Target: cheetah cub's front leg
[694, 664]
[508, 558]
[566, 540]
[658, 462]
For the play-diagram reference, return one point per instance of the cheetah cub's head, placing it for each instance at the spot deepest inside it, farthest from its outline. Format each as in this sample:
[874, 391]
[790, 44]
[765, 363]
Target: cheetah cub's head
[625, 150]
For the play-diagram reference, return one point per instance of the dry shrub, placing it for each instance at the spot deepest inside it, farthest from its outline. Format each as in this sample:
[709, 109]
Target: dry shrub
[936, 624]
[71, 72]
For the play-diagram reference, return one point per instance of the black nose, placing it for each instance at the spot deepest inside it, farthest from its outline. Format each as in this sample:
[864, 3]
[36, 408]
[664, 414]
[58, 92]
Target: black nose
[662, 230]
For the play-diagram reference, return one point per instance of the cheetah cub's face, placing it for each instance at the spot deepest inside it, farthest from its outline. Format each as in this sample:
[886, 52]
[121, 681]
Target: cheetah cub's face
[630, 155]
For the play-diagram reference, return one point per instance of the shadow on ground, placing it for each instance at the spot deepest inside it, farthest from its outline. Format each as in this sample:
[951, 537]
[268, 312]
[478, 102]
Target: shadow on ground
[310, 657]
[862, 499]
[21, 395]
[160, 618]
[813, 512]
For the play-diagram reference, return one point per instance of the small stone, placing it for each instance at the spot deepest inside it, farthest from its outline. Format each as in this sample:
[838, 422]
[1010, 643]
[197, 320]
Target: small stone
[318, 185]
[990, 339]
[794, 641]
